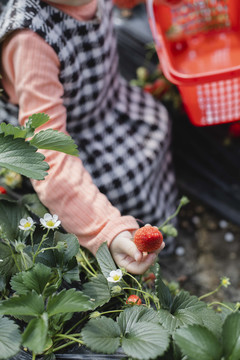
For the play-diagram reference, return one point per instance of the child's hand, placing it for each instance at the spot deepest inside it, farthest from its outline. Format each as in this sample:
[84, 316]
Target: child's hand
[126, 254]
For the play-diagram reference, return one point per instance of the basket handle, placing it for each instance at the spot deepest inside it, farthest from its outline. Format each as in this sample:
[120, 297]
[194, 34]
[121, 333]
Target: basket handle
[152, 22]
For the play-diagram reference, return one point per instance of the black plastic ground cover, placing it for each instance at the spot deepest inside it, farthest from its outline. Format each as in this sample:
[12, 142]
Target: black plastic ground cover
[75, 354]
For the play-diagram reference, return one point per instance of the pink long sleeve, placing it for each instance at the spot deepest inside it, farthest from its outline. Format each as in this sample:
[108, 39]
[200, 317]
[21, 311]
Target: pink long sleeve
[30, 77]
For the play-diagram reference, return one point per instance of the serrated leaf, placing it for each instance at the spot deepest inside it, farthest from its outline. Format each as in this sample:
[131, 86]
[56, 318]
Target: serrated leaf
[35, 334]
[132, 315]
[34, 205]
[231, 336]
[102, 335]
[10, 216]
[145, 341]
[34, 279]
[20, 156]
[30, 304]
[71, 275]
[72, 245]
[36, 120]
[183, 300]
[55, 140]
[211, 320]
[8, 332]
[97, 289]
[180, 318]
[163, 292]
[67, 301]
[15, 131]
[105, 260]
[197, 342]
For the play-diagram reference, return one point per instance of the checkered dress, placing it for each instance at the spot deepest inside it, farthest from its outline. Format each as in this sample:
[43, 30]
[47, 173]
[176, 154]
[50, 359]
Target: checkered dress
[123, 134]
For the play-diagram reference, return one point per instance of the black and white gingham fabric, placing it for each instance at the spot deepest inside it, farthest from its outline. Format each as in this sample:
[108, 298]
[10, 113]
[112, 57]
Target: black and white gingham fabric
[123, 134]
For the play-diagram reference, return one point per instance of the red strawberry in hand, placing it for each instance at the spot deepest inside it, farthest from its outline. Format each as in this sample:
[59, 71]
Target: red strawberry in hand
[134, 300]
[148, 238]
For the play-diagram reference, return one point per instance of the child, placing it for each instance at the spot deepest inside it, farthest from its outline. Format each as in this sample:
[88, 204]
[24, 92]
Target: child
[59, 57]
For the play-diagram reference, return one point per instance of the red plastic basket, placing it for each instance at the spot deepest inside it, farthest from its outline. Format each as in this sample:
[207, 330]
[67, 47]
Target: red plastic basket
[198, 44]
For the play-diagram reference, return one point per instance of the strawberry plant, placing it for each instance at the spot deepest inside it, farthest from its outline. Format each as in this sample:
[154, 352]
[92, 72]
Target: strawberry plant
[54, 294]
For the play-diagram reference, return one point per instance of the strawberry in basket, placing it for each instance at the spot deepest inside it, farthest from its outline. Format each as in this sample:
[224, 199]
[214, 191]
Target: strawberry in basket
[126, 4]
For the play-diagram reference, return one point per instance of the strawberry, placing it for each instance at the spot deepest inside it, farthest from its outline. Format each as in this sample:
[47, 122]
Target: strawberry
[234, 129]
[149, 277]
[2, 190]
[126, 4]
[148, 238]
[170, 2]
[134, 300]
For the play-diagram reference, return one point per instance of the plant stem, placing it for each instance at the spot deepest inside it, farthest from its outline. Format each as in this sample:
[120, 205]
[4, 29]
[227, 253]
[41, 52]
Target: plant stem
[143, 292]
[64, 336]
[210, 293]
[13, 256]
[221, 304]
[171, 216]
[62, 346]
[33, 356]
[31, 237]
[140, 287]
[40, 244]
[87, 270]
[75, 325]
[88, 262]
[24, 260]
[110, 311]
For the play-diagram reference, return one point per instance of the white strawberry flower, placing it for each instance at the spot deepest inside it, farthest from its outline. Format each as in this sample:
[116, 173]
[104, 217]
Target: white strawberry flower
[26, 224]
[50, 221]
[115, 275]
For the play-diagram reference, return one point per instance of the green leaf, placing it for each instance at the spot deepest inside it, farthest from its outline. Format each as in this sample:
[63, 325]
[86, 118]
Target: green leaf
[211, 320]
[30, 304]
[35, 334]
[34, 279]
[10, 216]
[37, 120]
[72, 245]
[231, 337]
[97, 289]
[20, 156]
[10, 265]
[9, 129]
[68, 301]
[10, 338]
[71, 275]
[105, 260]
[163, 292]
[183, 300]
[55, 140]
[180, 318]
[102, 335]
[145, 340]
[131, 315]
[197, 342]
[34, 205]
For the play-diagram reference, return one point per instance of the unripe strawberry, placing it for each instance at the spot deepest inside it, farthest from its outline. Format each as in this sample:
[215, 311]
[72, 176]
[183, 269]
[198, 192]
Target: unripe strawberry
[148, 238]
[134, 300]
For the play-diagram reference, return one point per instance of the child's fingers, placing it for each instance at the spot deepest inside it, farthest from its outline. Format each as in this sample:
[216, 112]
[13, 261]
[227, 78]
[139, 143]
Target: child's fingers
[141, 267]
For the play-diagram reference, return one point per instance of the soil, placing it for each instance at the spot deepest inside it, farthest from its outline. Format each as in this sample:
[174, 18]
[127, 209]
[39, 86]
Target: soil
[207, 248]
